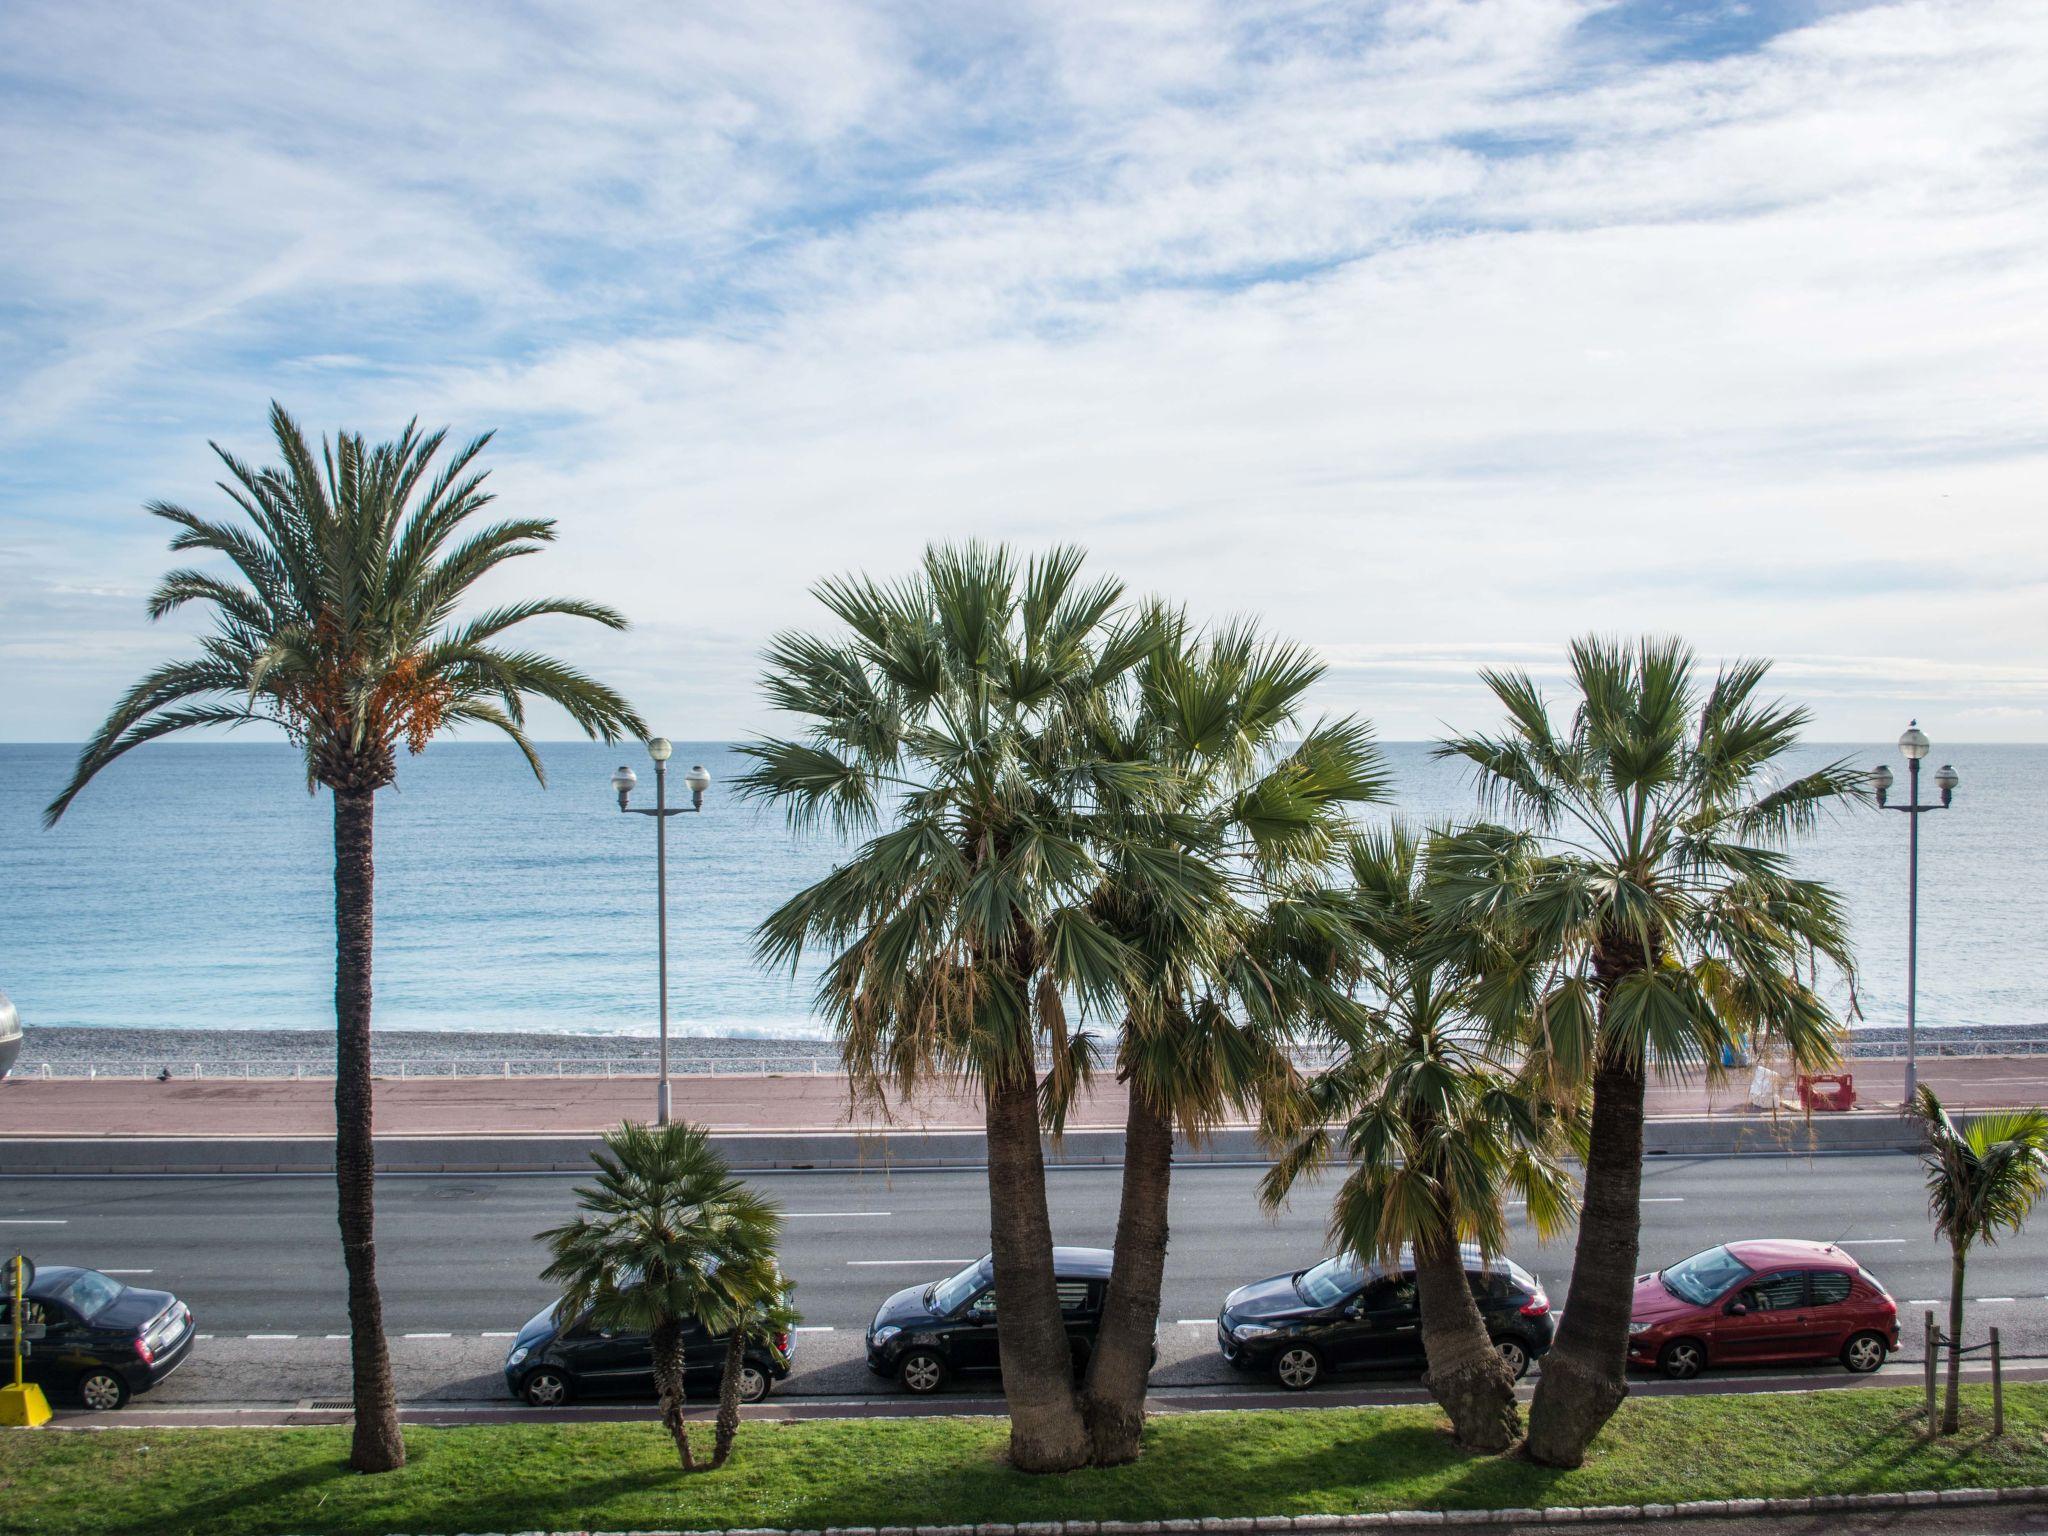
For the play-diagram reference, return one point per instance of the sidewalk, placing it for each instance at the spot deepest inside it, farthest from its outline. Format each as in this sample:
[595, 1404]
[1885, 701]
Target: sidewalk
[800, 1104]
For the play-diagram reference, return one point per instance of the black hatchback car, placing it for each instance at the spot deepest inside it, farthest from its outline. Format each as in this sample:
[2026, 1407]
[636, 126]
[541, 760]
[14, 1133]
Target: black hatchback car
[102, 1341]
[1342, 1315]
[927, 1334]
[549, 1364]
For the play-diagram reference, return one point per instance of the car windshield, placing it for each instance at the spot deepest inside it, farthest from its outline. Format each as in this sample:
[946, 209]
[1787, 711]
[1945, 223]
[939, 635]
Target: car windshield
[1330, 1281]
[1704, 1276]
[88, 1293]
[950, 1295]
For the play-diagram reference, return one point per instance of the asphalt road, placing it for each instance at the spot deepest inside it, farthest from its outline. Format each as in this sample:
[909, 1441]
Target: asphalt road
[258, 1258]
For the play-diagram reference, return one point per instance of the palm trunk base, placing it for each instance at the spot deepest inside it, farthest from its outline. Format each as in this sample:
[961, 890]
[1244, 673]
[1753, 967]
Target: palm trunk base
[1573, 1402]
[1116, 1432]
[1480, 1399]
[729, 1398]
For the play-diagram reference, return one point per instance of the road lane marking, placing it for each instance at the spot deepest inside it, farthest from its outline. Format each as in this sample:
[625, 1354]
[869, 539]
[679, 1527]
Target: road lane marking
[506, 1335]
[1196, 1322]
[1868, 1242]
[1935, 1302]
[273, 1336]
[1663, 1200]
[817, 1328]
[34, 1221]
[824, 1215]
[886, 1263]
[430, 1335]
[127, 1271]
[1981, 1300]
[337, 1335]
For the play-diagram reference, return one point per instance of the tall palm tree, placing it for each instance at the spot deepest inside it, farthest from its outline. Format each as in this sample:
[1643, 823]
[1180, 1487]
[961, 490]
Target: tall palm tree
[1648, 876]
[338, 625]
[1438, 1132]
[666, 1236]
[1983, 1178]
[950, 725]
[1217, 888]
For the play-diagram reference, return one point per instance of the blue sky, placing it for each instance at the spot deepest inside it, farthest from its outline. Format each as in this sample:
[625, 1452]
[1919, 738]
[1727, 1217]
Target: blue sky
[1432, 332]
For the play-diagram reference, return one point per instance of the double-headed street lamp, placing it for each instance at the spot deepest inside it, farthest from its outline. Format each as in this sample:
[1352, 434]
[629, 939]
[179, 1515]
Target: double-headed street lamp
[699, 780]
[1914, 744]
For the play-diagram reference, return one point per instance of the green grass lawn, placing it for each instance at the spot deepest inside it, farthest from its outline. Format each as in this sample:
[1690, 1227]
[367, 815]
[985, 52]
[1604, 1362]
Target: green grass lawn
[260, 1482]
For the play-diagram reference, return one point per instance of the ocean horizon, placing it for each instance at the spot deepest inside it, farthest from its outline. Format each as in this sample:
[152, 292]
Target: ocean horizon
[190, 887]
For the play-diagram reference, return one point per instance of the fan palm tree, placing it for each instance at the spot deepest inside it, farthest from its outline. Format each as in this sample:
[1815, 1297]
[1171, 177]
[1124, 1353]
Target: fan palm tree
[770, 1316]
[1216, 889]
[338, 625]
[666, 1236]
[1438, 1133]
[1659, 919]
[950, 725]
[1982, 1179]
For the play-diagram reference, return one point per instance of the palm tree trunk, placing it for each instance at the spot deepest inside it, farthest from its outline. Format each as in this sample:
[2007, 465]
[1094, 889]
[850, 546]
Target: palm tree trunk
[1047, 1433]
[377, 1445]
[729, 1397]
[1466, 1374]
[1113, 1401]
[1585, 1374]
[666, 1343]
[1951, 1408]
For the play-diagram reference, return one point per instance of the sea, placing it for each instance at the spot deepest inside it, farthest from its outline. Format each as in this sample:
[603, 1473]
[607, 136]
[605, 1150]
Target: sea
[190, 887]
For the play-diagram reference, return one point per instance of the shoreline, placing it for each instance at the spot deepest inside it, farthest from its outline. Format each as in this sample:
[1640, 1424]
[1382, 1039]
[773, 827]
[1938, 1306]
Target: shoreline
[79, 1050]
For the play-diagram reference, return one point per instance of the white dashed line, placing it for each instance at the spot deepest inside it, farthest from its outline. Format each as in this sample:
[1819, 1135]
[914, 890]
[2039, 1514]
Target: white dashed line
[1868, 1242]
[1196, 1322]
[1982, 1300]
[828, 1215]
[127, 1271]
[430, 1335]
[31, 1221]
[337, 1335]
[507, 1335]
[817, 1328]
[889, 1263]
[273, 1337]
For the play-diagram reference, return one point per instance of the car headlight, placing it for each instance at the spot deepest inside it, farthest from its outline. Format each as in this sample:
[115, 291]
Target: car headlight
[517, 1355]
[1245, 1331]
[1640, 1327]
[885, 1333]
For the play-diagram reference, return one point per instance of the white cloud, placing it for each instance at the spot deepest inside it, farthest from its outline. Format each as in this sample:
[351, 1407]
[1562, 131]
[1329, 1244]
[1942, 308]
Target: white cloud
[1432, 332]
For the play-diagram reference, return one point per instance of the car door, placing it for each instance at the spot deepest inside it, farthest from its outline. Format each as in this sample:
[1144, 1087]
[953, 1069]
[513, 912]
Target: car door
[608, 1360]
[54, 1360]
[1764, 1320]
[1384, 1330]
[971, 1335]
[703, 1357]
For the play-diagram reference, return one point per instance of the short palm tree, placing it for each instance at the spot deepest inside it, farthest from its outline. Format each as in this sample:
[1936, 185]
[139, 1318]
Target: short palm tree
[950, 725]
[1659, 919]
[337, 625]
[770, 1316]
[1983, 1178]
[668, 1236]
[1438, 1133]
[1216, 887]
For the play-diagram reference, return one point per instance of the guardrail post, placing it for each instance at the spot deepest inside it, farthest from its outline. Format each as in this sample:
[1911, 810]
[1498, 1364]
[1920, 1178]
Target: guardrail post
[1932, 1421]
[1997, 1388]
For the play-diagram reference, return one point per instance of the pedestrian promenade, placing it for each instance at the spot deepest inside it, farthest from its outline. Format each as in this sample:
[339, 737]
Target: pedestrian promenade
[486, 1106]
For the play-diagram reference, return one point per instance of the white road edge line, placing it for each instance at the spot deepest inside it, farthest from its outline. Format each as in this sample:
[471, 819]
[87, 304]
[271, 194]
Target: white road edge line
[34, 1221]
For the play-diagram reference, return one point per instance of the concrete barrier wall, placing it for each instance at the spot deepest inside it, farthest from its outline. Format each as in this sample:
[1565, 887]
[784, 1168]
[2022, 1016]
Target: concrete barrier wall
[1689, 1136]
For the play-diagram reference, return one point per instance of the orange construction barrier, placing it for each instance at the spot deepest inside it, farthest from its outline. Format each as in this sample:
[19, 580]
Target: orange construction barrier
[1827, 1090]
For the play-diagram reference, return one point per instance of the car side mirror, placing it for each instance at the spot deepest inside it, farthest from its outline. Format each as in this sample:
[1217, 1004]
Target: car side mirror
[1737, 1309]
[1354, 1307]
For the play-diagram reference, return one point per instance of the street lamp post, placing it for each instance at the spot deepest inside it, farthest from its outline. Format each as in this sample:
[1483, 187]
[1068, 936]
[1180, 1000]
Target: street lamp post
[1914, 744]
[698, 779]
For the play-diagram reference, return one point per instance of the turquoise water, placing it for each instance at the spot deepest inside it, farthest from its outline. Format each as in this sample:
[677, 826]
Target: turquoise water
[191, 887]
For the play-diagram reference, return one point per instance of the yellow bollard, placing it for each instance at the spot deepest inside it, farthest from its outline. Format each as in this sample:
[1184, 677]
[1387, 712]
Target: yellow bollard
[22, 1404]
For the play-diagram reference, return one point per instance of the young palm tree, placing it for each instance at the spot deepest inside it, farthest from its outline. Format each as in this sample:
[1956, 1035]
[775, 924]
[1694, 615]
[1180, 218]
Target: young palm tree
[1216, 887]
[1660, 920]
[769, 1317]
[1438, 1134]
[668, 1235]
[1982, 1179]
[338, 625]
[951, 724]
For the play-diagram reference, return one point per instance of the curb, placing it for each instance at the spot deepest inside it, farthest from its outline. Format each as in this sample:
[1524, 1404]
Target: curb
[1826, 1503]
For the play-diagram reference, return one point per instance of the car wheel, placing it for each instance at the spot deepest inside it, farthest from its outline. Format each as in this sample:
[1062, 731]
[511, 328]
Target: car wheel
[1514, 1354]
[1864, 1353]
[1682, 1359]
[753, 1383]
[102, 1391]
[922, 1372]
[1297, 1367]
[547, 1389]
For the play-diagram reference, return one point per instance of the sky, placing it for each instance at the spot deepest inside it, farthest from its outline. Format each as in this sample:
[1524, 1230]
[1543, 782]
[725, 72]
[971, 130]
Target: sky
[1430, 332]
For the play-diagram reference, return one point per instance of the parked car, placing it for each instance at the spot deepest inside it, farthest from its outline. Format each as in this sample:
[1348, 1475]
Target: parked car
[925, 1335]
[549, 1364]
[102, 1341]
[1345, 1315]
[1765, 1302]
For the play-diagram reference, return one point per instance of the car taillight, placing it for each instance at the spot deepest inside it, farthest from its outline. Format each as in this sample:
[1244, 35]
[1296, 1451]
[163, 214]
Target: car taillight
[143, 1352]
[782, 1343]
[1536, 1305]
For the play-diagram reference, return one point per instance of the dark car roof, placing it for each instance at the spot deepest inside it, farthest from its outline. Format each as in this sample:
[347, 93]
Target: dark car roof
[52, 1278]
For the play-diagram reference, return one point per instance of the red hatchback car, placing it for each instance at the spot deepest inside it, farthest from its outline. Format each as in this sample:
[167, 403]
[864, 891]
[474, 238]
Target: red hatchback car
[1766, 1302]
